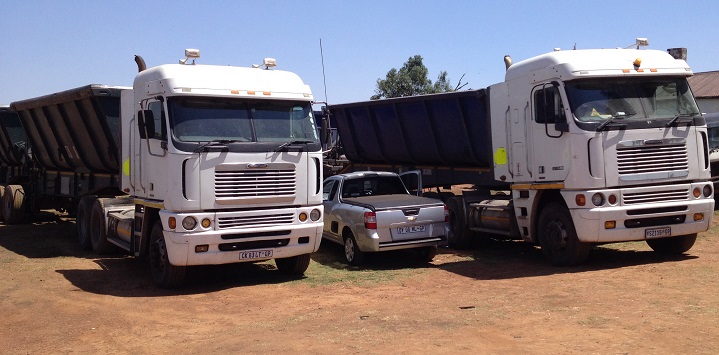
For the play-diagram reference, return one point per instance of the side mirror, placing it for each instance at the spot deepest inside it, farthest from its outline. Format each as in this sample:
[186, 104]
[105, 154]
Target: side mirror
[145, 123]
[560, 124]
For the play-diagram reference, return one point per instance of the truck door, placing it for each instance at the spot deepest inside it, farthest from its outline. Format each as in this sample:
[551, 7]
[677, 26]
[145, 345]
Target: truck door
[329, 202]
[412, 181]
[151, 151]
[548, 136]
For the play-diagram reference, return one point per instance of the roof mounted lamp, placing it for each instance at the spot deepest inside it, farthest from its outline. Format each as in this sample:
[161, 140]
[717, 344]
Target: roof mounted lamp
[190, 53]
[640, 42]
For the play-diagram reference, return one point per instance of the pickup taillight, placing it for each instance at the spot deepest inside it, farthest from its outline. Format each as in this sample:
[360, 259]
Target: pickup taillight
[370, 220]
[446, 214]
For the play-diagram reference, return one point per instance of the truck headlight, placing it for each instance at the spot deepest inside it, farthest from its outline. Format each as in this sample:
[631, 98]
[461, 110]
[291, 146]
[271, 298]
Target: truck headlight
[315, 215]
[189, 223]
[707, 190]
[598, 199]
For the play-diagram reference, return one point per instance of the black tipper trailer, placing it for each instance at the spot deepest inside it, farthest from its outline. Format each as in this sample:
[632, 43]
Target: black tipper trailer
[445, 136]
[73, 139]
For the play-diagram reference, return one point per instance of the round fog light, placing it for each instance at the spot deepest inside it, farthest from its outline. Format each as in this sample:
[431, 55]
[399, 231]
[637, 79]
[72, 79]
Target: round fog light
[315, 215]
[206, 223]
[598, 199]
[189, 223]
[303, 217]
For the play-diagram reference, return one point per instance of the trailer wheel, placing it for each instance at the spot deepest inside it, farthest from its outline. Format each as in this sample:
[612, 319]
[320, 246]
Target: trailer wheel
[460, 236]
[82, 221]
[673, 245]
[558, 238]
[353, 254]
[13, 204]
[164, 274]
[295, 266]
[98, 230]
[427, 254]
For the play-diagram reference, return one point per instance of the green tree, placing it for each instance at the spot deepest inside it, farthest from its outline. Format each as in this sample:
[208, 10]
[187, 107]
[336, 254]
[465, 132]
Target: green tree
[411, 80]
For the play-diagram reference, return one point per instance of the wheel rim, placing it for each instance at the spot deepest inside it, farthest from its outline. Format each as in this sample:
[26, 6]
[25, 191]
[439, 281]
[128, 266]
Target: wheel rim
[349, 249]
[557, 233]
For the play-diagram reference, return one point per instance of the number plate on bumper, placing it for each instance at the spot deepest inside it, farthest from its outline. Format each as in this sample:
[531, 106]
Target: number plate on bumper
[657, 232]
[256, 254]
[411, 229]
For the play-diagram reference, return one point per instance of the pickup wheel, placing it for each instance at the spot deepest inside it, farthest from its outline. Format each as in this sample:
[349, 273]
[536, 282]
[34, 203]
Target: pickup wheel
[460, 236]
[673, 245]
[427, 254]
[353, 254]
[295, 266]
[164, 274]
[558, 238]
[13, 204]
[97, 229]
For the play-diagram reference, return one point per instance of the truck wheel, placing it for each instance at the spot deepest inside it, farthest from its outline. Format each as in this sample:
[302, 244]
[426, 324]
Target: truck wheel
[13, 204]
[164, 274]
[353, 254]
[295, 266]
[82, 221]
[98, 230]
[673, 245]
[460, 236]
[427, 254]
[558, 238]
[2, 202]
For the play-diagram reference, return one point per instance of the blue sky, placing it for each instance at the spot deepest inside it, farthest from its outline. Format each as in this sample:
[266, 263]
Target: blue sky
[50, 46]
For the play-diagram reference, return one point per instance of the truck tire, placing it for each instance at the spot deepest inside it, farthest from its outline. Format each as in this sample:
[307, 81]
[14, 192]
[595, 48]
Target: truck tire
[427, 254]
[294, 266]
[558, 237]
[13, 204]
[353, 254]
[164, 274]
[460, 236]
[82, 221]
[98, 230]
[673, 245]
[2, 195]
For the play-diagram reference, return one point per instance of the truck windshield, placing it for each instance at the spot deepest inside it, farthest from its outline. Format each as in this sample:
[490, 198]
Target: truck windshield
[631, 103]
[225, 120]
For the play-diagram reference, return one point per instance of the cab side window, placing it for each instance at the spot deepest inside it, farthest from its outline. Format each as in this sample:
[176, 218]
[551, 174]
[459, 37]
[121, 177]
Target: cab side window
[329, 189]
[547, 105]
[158, 113]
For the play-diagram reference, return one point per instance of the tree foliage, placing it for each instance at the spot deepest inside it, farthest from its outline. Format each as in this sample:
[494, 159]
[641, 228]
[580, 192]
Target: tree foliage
[412, 79]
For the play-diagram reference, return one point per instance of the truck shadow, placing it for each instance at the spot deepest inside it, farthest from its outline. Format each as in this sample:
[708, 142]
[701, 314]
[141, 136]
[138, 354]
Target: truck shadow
[497, 260]
[48, 235]
[130, 277]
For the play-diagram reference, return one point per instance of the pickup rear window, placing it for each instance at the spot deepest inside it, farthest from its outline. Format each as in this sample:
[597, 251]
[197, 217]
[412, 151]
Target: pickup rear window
[389, 185]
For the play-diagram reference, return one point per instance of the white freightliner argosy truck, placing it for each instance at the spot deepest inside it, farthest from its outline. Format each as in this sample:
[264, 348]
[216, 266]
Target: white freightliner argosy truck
[593, 146]
[216, 165]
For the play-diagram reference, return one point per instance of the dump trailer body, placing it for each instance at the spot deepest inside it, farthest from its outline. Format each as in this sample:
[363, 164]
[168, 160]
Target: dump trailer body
[446, 136]
[13, 146]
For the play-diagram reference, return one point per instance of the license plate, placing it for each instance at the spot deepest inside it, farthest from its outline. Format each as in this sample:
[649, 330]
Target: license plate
[256, 254]
[658, 232]
[411, 229]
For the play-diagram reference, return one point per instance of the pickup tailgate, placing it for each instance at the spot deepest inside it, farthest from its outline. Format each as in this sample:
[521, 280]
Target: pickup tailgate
[405, 217]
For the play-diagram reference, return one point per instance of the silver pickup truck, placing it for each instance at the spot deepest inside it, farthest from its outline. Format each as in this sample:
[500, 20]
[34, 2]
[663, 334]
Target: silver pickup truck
[373, 211]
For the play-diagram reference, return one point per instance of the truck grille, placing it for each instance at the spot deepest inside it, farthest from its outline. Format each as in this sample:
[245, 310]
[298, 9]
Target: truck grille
[254, 183]
[633, 198]
[255, 221]
[642, 157]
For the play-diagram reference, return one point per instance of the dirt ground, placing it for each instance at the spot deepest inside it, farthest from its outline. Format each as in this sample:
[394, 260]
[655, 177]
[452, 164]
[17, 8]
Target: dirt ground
[501, 298]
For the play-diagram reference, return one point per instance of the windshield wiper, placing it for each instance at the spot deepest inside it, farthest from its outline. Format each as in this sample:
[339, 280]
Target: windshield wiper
[610, 120]
[295, 142]
[218, 143]
[681, 115]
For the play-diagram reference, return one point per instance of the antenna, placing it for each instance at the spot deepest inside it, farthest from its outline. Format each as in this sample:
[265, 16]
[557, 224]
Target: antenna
[324, 79]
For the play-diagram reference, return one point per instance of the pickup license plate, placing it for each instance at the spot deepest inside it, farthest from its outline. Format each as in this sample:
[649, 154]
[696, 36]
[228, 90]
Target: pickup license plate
[256, 254]
[657, 232]
[411, 229]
